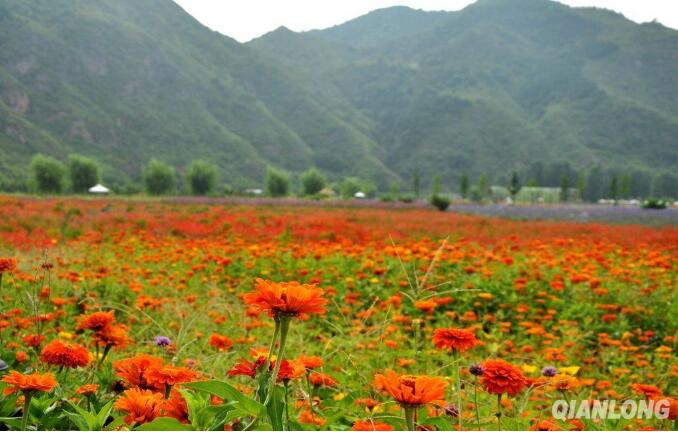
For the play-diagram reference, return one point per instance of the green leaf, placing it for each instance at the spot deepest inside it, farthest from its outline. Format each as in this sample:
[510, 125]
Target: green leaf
[227, 392]
[165, 424]
[276, 407]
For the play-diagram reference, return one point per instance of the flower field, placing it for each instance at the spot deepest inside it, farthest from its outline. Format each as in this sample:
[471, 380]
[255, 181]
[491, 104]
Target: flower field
[158, 316]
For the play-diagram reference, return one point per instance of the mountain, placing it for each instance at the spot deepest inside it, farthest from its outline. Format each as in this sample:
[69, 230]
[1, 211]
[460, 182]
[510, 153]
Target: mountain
[127, 80]
[503, 83]
[494, 87]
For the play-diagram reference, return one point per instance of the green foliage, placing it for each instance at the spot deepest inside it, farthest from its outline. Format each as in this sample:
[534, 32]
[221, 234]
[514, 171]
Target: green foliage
[277, 183]
[48, 174]
[83, 173]
[159, 178]
[352, 185]
[654, 204]
[201, 177]
[514, 185]
[463, 186]
[312, 182]
[440, 202]
[564, 188]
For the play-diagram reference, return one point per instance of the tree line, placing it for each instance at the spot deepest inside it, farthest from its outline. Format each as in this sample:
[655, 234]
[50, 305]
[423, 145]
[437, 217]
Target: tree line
[79, 173]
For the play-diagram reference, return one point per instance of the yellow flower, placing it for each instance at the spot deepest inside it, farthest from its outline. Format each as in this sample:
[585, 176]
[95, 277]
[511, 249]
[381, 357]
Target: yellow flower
[486, 296]
[65, 335]
[664, 349]
[339, 396]
[569, 370]
[529, 368]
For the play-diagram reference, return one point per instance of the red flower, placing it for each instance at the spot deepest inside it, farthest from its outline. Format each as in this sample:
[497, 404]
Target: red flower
[454, 339]
[286, 298]
[70, 355]
[502, 377]
[246, 367]
[221, 343]
[371, 425]
[141, 406]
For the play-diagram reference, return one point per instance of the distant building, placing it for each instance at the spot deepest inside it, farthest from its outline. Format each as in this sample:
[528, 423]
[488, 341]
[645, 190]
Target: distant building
[99, 189]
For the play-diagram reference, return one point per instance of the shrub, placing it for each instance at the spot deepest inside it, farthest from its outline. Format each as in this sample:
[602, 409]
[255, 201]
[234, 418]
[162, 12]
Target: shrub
[312, 182]
[48, 174]
[440, 202]
[201, 177]
[654, 204]
[159, 178]
[277, 183]
[83, 173]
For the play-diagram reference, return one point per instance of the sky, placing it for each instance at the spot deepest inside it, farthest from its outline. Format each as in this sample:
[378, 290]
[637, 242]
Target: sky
[247, 19]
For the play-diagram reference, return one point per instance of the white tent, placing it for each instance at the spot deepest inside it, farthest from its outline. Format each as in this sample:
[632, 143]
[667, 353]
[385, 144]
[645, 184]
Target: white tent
[359, 195]
[99, 189]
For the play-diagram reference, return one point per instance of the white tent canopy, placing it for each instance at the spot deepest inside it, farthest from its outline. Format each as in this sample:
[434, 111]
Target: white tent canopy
[99, 189]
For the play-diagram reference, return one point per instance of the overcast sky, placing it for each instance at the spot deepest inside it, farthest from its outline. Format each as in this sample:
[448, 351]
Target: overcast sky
[247, 19]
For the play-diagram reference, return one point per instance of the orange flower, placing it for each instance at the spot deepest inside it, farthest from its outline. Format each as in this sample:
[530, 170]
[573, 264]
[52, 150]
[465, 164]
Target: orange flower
[159, 377]
[307, 417]
[222, 343]
[311, 362]
[502, 377]
[133, 370]
[70, 355]
[112, 336]
[141, 406]
[545, 425]
[649, 391]
[286, 298]
[321, 379]
[34, 382]
[7, 265]
[176, 407]
[454, 339]
[411, 390]
[371, 425]
[87, 389]
[290, 370]
[96, 321]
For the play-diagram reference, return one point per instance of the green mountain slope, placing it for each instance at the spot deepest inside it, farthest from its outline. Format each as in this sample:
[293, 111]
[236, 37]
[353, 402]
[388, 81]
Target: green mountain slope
[506, 82]
[129, 80]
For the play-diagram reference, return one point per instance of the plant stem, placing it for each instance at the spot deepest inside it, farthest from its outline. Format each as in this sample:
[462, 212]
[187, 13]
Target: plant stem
[27, 405]
[409, 418]
[475, 402]
[457, 369]
[273, 341]
[499, 411]
[284, 327]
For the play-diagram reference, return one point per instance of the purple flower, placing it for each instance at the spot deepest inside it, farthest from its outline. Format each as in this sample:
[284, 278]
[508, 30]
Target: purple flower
[476, 370]
[162, 341]
[549, 371]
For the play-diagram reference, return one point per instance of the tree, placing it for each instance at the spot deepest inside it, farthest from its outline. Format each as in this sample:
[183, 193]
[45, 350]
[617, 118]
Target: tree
[514, 186]
[312, 182]
[159, 178]
[436, 185]
[416, 183]
[614, 189]
[564, 188]
[277, 183]
[83, 173]
[201, 177]
[482, 186]
[48, 174]
[625, 186]
[463, 186]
